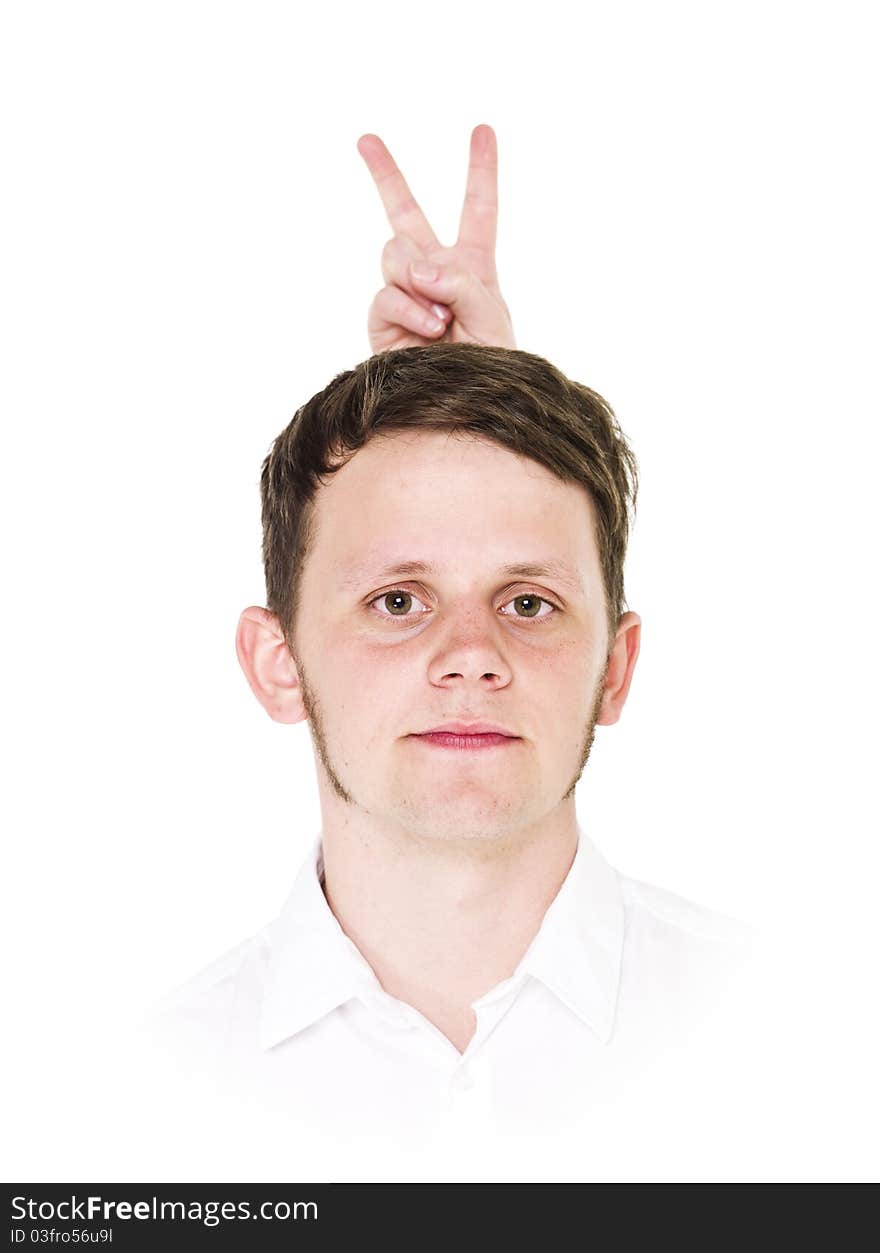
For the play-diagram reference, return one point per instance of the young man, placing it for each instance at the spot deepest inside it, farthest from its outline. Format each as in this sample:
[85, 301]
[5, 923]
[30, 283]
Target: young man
[444, 537]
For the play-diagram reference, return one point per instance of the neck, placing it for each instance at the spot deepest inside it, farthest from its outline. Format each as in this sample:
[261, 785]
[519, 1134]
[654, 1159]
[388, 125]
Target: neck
[441, 923]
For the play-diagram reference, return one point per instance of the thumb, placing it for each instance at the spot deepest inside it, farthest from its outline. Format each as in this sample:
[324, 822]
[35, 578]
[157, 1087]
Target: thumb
[450, 285]
[479, 316]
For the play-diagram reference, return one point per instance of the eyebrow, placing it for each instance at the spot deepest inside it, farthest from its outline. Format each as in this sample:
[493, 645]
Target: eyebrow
[558, 570]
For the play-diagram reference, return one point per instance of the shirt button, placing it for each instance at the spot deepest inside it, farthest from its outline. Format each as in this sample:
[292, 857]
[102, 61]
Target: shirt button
[462, 1080]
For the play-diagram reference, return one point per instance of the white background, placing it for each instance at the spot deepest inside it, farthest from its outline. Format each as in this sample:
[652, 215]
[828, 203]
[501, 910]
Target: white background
[688, 224]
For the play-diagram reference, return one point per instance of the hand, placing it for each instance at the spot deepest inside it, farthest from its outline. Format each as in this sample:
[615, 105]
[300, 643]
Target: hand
[466, 291]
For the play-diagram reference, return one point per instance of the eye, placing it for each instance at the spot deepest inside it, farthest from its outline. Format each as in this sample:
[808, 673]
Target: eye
[533, 602]
[398, 602]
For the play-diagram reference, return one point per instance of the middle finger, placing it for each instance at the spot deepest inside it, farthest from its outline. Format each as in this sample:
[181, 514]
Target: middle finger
[401, 208]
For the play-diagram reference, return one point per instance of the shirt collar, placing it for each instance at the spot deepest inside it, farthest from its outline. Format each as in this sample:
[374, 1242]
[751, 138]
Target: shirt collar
[314, 967]
[578, 950]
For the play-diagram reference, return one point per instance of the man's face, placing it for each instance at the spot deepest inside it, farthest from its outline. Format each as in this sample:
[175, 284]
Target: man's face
[384, 655]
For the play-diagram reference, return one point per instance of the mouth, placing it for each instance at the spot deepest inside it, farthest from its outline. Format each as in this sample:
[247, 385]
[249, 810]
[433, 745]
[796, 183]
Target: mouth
[471, 742]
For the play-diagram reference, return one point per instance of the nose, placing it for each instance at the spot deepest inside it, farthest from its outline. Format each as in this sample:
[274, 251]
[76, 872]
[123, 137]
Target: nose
[470, 648]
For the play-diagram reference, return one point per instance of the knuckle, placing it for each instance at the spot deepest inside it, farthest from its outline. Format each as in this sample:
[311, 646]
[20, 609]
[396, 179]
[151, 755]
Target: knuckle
[406, 206]
[396, 256]
[383, 304]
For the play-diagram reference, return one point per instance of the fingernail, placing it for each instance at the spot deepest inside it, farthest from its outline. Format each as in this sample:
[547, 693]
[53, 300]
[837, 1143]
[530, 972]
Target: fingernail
[442, 313]
[434, 325]
[424, 270]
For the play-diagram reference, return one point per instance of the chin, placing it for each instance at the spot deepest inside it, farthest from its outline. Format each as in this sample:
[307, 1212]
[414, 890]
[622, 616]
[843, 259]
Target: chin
[462, 819]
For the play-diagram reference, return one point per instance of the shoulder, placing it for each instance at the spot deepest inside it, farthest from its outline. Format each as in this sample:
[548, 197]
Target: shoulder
[204, 1010]
[682, 963]
[214, 982]
[661, 910]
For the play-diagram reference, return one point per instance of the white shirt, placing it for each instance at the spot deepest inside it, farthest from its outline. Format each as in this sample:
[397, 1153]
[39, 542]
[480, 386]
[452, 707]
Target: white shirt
[293, 1031]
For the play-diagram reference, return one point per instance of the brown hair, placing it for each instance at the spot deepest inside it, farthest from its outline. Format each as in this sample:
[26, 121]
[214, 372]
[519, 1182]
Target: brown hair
[514, 398]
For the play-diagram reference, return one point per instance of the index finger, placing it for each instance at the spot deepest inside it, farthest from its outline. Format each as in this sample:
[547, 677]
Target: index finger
[401, 208]
[479, 214]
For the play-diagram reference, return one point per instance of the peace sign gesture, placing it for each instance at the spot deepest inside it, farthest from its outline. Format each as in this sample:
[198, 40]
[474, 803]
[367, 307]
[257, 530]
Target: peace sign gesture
[465, 290]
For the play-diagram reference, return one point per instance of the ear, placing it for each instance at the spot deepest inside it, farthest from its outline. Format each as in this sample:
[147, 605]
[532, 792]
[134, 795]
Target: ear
[268, 665]
[621, 663]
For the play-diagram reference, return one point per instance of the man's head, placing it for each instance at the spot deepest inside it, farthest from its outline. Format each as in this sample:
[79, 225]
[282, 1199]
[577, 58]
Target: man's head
[444, 531]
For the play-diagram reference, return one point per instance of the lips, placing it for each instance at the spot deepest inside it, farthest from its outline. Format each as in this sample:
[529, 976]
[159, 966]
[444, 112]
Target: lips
[469, 728]
[467, 736]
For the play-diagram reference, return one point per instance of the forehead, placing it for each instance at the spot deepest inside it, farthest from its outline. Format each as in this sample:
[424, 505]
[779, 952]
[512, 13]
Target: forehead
[436, 498]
